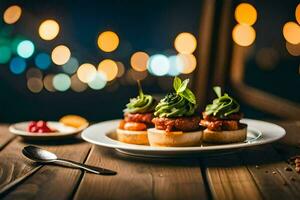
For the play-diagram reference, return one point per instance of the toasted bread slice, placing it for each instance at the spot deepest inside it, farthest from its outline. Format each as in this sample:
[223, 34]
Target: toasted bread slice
[223, 137]
[162, 138]
[132, 137]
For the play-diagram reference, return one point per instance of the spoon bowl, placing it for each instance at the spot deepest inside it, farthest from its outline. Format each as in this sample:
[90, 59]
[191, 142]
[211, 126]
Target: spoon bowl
[38, 154]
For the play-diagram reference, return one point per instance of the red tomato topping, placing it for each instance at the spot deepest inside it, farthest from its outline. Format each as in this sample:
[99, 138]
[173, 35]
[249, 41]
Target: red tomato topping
[135, 126]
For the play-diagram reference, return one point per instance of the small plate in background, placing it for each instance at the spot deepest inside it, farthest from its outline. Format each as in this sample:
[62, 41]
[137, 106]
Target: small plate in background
[63, 131]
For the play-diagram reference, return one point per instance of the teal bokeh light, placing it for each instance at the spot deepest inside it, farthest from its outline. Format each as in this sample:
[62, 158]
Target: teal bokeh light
[98, 82]
[71, 66]
[5, 54]
[42, 61]
[61, 82]
[25, 49]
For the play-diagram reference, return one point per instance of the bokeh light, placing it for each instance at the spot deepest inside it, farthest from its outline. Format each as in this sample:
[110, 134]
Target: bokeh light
[77, 85]
[48, 82]
[175, 63]
[186, 63]
[185, 43]
[291, 32]
[61, 54]
[42, 61]
[121, 69]
[109, 68]
[158, 65]
[12, 14]
[293, 49]
[98, 82]
[86, 72]
[48, 29]
[243, 35]
[139, 61]
[34, 73]
[5, 54]
[245, 13]
[71, 66]
[108, 41]
[17, 65]
[25, 49]
[61, 82]
[35, 85]
[297, 13]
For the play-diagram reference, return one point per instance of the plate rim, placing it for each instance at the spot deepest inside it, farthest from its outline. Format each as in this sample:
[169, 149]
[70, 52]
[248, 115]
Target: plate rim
[132, 147]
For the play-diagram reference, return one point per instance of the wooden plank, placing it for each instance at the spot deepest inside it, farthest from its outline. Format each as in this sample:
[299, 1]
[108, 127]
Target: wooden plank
[269, 172]
[292, 128]
[229, 179]
[5, 136]
[50, 182]
[141, 179]
[12, 164]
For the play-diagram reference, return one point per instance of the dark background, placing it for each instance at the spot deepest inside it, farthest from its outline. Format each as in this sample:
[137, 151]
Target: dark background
[149, 26]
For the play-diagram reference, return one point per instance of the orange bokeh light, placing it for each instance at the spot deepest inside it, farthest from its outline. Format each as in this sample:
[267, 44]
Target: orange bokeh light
[86, 72]
[48, 29]
[109, 68]
[297, 13]
[245, 13]
[12, 14]
[60, 55]
[291, 32]
[185, 43]
[243, 35]
[188, 63]
[139, 61]
[108, 41]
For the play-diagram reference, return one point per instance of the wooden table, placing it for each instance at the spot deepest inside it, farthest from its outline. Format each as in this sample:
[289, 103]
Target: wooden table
[254, 173]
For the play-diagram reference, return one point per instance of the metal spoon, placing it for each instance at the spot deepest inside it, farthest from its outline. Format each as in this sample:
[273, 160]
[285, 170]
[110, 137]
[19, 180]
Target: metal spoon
[44, 156]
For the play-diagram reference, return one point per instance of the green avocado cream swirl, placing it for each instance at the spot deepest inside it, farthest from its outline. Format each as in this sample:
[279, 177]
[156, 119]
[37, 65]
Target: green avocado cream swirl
[222, 106]
[177, 104]
[141, 104]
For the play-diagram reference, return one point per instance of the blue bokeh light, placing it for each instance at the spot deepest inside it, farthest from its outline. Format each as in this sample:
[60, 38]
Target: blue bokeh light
[158, 65]
[25, 49]
[42, 61]
[17, 65]
[175, 63]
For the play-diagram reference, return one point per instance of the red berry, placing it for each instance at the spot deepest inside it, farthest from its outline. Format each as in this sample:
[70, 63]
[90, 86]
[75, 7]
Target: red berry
[40, 130]
[32, 123]
[41, 124]
[33, 129]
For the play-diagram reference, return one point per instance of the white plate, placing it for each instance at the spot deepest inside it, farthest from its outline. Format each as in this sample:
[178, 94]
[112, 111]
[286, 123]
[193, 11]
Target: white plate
[102, 134]
[63, 131]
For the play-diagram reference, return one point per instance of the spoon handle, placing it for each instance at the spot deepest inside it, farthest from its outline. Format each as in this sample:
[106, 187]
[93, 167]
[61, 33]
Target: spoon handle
[77, 165]
[92, 169]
